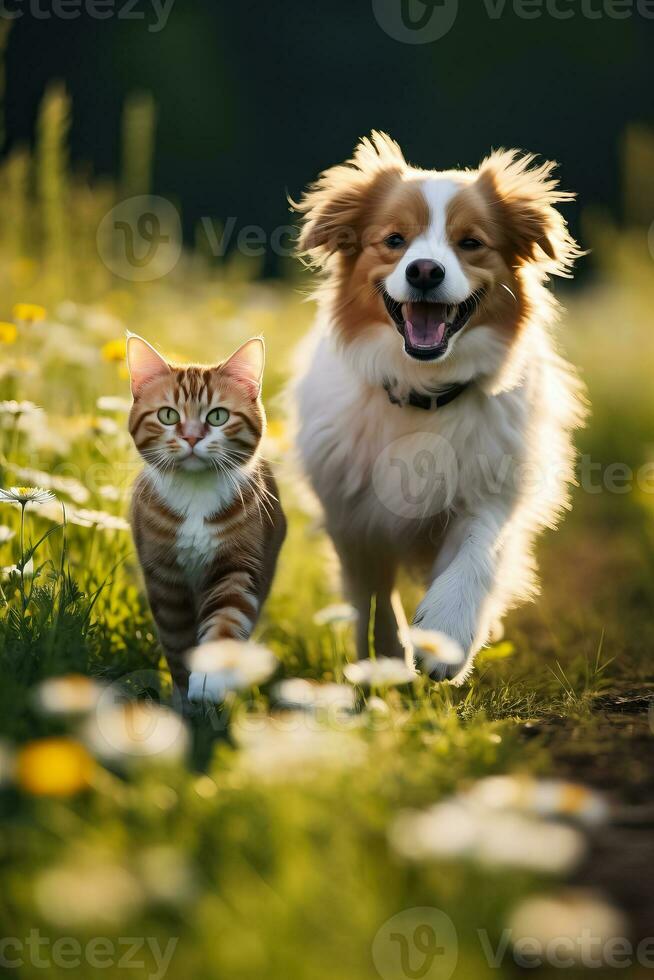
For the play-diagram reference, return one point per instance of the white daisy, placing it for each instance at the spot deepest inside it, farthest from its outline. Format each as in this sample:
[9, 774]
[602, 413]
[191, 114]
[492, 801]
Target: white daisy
[71, 694]
[79, 895]
[458, 827]
[67, 485]
[97, 518]
[335, 615]
[26, 495]
[293, 746]
[9, 570]
[583, 922]
[6, 534]
[83, 517]
[384, 672]
[227, 665]
[544, 797]
[432, 649]
[113, 403]
[18, 408]
[136, 730]
[299, 694]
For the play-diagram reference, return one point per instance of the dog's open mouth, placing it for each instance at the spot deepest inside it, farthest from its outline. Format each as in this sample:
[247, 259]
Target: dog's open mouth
[427, 328]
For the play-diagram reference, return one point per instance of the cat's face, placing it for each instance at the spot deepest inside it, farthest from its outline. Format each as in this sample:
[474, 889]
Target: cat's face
[196, 418]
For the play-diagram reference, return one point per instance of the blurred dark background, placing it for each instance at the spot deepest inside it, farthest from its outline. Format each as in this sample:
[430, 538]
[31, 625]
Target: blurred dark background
[254, 98]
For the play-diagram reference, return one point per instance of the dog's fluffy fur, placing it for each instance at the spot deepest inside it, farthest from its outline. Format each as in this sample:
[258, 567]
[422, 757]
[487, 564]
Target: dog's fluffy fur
[464, 489]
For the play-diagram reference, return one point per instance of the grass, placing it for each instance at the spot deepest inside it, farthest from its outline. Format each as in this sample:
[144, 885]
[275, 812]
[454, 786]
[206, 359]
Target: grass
[266, 873]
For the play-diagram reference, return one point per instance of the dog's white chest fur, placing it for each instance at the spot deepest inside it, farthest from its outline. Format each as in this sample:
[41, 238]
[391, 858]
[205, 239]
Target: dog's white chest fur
[389, 466]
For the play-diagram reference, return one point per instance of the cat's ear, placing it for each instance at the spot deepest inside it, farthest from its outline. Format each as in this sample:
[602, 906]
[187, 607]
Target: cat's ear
[144, 363]
[246, 365]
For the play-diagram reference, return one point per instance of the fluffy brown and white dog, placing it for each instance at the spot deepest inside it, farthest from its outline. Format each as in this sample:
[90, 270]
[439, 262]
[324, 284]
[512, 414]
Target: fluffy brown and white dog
[434, 413]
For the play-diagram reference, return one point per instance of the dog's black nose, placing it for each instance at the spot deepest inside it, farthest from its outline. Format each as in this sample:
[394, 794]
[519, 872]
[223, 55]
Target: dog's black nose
[425, 274]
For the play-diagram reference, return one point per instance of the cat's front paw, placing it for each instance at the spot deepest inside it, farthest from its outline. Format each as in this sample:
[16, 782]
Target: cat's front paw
[205, 688]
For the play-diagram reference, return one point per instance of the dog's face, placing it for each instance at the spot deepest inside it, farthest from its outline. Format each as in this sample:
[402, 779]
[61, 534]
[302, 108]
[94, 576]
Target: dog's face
[433, 255]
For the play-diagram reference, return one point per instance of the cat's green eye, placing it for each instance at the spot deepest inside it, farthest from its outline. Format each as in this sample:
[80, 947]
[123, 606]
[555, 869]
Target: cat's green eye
[217, 416]
[168, 416]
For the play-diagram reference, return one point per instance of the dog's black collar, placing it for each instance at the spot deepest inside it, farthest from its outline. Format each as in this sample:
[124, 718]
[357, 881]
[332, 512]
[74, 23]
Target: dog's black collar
[429, 403]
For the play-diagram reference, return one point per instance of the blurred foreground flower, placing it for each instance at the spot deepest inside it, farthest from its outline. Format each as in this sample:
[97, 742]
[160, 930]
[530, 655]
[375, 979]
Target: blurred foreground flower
[385, 672]
[433, 649]
[135, 730]
[167, 875]
[303, 695]
[67, 485]
[6, 534]
[544, 797]
[227, 665]
[8, 332]
[292, 746]
[580, 923]
[19, 408]
[335, 615]
[76, 895]
[97, 518]
[28, 312]
[456, 829]
[54, 767]
[8, 570]
[113, 403]
[82, 517]
[69, 695]
[26, 495]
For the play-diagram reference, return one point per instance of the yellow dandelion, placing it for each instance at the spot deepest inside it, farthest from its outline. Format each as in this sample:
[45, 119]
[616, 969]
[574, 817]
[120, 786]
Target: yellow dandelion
[114, 351]
[28, 312]
[8, 332]
[54, 767]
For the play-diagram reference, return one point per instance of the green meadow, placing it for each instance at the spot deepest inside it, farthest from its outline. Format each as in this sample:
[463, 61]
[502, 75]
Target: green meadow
[249, 841]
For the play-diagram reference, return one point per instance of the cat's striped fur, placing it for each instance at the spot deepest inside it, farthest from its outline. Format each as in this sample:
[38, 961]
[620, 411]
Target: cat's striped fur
[206, 516]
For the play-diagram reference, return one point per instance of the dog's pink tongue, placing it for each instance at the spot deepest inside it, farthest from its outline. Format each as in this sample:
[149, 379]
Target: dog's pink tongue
[424, 324]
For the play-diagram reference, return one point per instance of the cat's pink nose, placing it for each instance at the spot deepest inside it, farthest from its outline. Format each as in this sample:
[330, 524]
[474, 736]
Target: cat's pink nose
[192, 440]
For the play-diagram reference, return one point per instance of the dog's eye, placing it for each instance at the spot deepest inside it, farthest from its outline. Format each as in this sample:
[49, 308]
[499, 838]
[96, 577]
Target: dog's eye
[395, 241]
[470, 244]
[168, 416]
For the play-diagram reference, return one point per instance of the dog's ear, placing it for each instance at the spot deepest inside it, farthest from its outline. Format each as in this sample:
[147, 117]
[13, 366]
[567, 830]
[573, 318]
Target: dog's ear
[334, 207]
[524, 196]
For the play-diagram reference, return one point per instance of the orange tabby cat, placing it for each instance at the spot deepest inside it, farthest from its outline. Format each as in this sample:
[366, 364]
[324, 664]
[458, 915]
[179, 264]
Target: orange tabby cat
[206, 516]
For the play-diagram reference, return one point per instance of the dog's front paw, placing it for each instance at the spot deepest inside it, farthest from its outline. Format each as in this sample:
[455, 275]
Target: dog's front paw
[462, 634]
